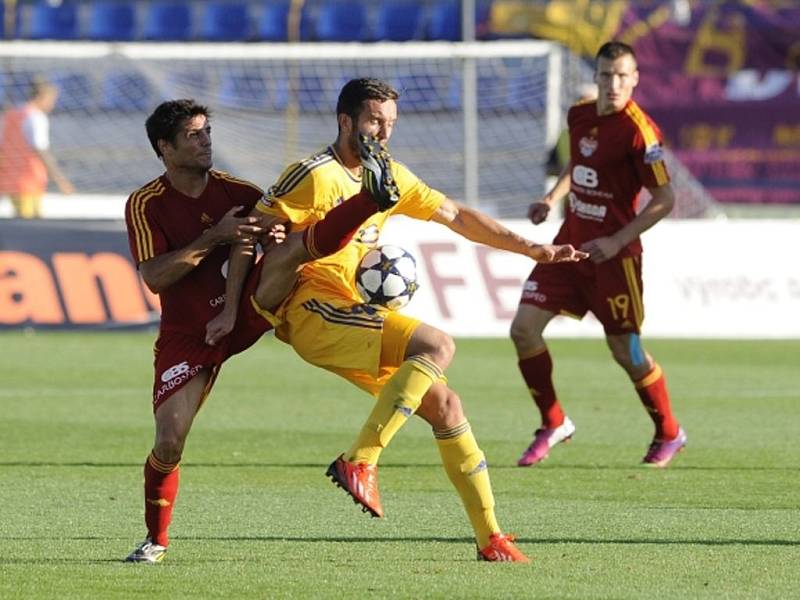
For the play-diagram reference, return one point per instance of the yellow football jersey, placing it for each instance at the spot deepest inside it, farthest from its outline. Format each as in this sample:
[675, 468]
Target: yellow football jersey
[308, 189]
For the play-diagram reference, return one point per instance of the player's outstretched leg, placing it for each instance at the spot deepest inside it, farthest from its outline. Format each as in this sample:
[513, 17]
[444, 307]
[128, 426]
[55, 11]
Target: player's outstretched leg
[377, 172]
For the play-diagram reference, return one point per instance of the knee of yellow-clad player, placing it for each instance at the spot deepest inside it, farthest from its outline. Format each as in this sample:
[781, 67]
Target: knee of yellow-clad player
[441, 407]
[433, 343]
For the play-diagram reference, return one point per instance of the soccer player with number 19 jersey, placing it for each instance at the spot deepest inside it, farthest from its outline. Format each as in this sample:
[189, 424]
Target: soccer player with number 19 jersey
[615, 151]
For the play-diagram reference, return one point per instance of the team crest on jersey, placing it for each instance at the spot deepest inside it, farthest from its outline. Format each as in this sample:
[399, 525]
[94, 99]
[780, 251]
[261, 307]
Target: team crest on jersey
[369, 235]
[588, 143]
[653, 153]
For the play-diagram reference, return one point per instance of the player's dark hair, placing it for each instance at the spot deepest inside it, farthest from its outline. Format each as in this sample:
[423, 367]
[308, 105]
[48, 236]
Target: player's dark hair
[613, 50]
[168, 118]
[356, 91]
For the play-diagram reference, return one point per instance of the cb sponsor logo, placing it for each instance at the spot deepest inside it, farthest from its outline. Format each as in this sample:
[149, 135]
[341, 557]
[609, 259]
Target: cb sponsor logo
[585, 176]
[176, 376]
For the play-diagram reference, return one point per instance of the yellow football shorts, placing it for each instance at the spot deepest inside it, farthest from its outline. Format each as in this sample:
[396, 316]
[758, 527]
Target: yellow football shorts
[362, 344]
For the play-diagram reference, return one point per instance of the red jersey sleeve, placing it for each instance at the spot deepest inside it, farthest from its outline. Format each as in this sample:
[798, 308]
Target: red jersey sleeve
[647, 149]
[145, 236]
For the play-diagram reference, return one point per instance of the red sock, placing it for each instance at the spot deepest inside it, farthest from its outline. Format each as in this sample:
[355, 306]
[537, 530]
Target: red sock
[160, 490]
[537, 371]
[652, 390]
[334, 231]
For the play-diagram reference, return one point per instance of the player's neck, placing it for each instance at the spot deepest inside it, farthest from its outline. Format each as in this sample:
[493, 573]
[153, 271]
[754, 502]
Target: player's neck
[350, 161]
[188, 182]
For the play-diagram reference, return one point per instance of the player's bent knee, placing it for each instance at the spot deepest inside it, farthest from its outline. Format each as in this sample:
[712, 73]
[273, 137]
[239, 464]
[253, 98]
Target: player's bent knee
[441, 407]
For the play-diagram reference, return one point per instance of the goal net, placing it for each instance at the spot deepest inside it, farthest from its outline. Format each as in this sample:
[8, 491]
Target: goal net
[477, 120]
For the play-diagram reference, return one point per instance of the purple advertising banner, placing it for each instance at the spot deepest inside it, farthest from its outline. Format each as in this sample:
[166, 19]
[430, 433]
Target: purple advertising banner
[725, 88]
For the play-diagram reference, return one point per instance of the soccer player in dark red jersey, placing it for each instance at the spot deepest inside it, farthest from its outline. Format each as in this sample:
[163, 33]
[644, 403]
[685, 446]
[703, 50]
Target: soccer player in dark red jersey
[616, 150]
[181, 227]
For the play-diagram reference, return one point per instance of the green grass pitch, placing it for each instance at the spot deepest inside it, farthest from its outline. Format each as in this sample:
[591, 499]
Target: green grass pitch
[256, 518]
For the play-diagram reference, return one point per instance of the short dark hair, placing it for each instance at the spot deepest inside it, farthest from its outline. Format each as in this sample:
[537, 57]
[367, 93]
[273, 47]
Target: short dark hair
[356, 91]
[167, 119]
[614, 49]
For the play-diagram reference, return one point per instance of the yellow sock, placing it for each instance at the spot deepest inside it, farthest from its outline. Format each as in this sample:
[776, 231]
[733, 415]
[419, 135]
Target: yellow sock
[466, 467]
[399, 399]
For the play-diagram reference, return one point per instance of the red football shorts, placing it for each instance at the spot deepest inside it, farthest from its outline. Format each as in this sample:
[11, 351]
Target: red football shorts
[611, 290]
[181, 356]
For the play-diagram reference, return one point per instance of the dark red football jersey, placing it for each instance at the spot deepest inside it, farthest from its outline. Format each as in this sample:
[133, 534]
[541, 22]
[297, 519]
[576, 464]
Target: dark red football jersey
[161, 219]
[612, 158]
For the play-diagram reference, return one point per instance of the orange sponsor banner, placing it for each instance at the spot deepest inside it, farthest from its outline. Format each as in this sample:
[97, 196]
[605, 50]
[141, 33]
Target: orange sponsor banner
[70, 274]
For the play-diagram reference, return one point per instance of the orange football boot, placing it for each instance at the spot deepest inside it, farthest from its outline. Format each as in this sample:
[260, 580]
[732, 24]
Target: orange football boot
[501, 548]
[360, 480]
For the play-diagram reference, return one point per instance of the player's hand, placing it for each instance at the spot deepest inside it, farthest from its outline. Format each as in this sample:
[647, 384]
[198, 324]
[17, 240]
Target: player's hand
[538, 211]
[556, 253]
[220, 326]
[233, 229]
[601, 249]
[276, 233]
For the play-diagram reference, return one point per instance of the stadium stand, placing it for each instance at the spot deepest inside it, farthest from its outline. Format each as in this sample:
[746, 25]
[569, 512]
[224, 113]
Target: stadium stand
[126, 91]
[444, 21]
[112, 20]
[54, 21]
[342, 21]
[225, 22]
[167, 21]
[75, 91]
[273, 23]
[398, 21]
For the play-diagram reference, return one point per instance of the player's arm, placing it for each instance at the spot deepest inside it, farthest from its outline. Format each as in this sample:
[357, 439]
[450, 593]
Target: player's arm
[482, 229]
[239, 264]
[539, 209]
[660, 205]
[163, 270]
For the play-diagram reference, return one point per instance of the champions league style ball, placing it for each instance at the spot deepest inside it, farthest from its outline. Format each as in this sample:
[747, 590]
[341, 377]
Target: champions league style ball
[387, 276]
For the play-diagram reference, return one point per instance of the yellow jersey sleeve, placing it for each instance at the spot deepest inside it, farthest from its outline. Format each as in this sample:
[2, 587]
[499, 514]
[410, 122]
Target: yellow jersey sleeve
[417, 200]
[307, 190]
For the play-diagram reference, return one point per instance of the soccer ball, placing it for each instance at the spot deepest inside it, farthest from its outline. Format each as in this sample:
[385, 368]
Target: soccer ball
[387, 276]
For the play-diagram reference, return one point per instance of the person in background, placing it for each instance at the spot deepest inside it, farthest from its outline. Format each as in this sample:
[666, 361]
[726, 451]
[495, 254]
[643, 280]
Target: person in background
[615, 151]
[26, 163]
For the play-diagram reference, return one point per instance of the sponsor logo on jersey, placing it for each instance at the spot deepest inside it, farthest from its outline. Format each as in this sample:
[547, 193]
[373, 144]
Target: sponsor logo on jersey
[175, 376]
[218, 301]
[587, 145]
[529, 291]
[653, 153]
[586, 210]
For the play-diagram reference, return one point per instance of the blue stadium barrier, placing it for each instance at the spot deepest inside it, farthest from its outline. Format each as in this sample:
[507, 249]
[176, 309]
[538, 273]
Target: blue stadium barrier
[341, 21]
[273, 23]
[421, 92]
[167, 21]
[53, 22]
[225, 22]
[126, 92]
[16, 86]
[398, 20]
[444, 21]
[75, 91]
[243, 90]
[111, 20]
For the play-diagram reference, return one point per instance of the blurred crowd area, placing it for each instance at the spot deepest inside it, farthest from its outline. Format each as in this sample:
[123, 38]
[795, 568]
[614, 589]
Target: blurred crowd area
[720, 77]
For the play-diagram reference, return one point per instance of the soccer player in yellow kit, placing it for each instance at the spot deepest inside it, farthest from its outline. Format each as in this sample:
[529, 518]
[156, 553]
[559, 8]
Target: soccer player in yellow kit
[392, 356]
